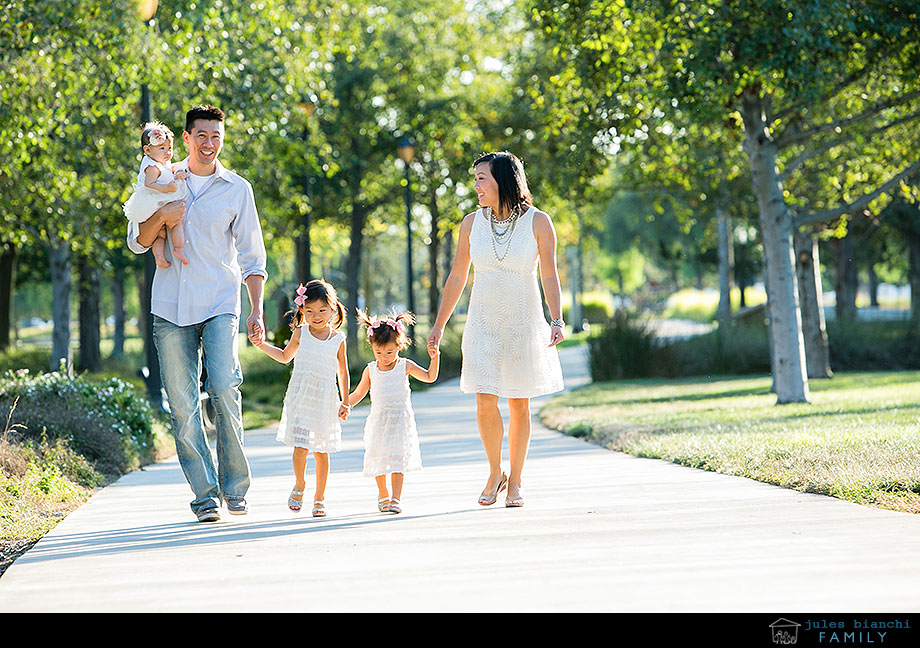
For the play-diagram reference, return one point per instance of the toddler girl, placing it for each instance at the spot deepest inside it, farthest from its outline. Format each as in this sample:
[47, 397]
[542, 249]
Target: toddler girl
[390, 436]
[156, 186]
[312, 406]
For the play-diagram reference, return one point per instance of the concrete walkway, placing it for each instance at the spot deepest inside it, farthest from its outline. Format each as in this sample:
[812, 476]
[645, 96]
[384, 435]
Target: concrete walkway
[600, 531]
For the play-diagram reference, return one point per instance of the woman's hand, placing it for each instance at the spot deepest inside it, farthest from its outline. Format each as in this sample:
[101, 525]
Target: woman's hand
[434, 339]
[557, 335]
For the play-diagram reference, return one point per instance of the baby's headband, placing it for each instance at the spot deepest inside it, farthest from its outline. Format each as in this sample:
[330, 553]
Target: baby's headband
[156, 137]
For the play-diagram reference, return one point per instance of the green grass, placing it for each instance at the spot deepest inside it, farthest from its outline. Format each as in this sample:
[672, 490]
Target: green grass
[856, 440]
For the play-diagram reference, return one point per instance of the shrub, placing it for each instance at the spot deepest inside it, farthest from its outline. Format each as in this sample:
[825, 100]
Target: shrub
[624, 348]
[627, 348]
[104, 420]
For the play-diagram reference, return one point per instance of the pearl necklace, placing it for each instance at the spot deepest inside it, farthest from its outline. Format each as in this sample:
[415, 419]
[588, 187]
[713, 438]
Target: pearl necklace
[501, 236]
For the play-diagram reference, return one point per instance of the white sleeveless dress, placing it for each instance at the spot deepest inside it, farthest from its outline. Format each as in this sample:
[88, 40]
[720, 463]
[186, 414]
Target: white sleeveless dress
[144, 202]
[310, 417]
[390, 434]
[506, 337]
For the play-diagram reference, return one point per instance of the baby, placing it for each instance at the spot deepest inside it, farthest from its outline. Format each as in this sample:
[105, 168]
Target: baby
[156, 186]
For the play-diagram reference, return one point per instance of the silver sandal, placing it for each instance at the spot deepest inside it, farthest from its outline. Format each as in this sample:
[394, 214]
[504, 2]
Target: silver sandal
[295, 505]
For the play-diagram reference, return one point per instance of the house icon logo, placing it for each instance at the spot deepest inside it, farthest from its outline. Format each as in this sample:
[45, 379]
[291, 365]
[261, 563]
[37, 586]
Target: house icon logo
[784, 632]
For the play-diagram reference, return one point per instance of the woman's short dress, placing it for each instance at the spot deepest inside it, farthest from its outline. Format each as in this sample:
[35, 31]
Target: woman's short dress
[144, 202]
[310, 417]
[390, 435]
[506, 338]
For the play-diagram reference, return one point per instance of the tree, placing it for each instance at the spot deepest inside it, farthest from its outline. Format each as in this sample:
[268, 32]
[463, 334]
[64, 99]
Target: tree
[809, 84]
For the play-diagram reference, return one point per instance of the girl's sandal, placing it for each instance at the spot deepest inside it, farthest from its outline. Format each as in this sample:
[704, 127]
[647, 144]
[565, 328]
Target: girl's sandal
[295, 505]
[383, 504]
[394, 506]
[319, 508]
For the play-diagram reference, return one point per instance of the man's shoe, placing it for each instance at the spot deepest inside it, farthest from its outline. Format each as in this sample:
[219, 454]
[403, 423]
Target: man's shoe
[208, 515]
[237, 506]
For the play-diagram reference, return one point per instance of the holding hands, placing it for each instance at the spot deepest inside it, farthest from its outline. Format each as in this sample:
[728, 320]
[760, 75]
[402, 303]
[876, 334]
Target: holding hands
[256, 332]
[434, 341]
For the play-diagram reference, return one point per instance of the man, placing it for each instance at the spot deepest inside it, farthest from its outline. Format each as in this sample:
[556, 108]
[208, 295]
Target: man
[196, 309]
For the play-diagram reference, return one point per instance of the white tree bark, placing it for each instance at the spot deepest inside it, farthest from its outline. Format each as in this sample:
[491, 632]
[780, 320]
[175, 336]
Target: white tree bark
[790, 378]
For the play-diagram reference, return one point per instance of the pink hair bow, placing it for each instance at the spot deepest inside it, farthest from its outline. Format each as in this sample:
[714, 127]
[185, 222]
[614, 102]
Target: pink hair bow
[393, 324]
[300, 299]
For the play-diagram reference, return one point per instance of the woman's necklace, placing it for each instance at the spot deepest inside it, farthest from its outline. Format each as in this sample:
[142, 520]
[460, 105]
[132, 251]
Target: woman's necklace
[502, 231]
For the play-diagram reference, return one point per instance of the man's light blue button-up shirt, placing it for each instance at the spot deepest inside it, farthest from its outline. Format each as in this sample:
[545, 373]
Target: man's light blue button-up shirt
[223, 244]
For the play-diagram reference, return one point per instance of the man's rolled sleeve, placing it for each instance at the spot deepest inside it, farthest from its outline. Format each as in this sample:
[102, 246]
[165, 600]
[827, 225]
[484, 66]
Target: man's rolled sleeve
[134, 230]
[247, 235]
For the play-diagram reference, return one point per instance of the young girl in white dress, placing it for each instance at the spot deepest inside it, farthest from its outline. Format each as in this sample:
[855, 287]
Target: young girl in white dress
[391, 444]
[314, 404]
[156, 186]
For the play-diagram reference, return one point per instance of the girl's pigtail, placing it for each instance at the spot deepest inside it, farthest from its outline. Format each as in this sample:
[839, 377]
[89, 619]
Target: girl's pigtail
[295, 316]
[340, 314]
[363, 318]
[407, 318]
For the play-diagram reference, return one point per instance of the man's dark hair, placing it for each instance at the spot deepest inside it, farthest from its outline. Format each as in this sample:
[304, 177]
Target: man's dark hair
[202, 112]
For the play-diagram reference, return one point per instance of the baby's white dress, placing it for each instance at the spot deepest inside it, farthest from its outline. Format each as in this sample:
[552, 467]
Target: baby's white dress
[390, 434]
[505, 345]
[310, 416]
[144, 202]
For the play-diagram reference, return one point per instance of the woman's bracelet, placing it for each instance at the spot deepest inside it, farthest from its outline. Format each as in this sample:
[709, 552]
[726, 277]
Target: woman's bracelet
[557, 322]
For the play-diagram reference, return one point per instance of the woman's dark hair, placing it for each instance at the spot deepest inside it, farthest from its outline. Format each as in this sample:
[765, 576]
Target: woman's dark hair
[319, 290]
[508, 172]
[383, 333]
[202, 112]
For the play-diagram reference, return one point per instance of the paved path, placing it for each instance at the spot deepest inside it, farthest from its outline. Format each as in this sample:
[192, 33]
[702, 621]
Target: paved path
[601, 531]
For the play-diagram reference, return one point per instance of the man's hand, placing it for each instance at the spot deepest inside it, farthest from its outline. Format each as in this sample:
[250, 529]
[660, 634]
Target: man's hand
[256, 328]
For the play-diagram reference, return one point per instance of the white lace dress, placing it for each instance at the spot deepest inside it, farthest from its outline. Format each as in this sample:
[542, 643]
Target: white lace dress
[390, 435]
[144, 202]
[310, 417]
[506, 337]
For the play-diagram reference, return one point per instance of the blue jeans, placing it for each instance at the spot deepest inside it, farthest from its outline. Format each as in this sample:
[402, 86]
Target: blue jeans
[181, 350]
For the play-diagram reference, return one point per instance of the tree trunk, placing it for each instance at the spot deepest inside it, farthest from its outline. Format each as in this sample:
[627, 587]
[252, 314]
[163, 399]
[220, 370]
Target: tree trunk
[873, 284]
[59, 256]
[90, 356]
[118, 308]
[913, 252]
[786, 339]
[578, 309]
[7, 285]
[434, 247]
[817, 356]
[726, 267]
[845, 279]
[353, 272]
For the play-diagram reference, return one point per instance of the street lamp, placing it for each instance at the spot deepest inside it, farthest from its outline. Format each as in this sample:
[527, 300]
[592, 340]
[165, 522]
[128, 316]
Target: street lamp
[307, 107]
[147, 9]
[406, 152]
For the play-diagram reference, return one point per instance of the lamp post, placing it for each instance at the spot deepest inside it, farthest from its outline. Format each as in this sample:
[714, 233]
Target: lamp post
[147, 9]
[307, 107]
[406, 152]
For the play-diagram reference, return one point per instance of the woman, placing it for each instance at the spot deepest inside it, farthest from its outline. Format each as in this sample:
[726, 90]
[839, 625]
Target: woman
[508, 349]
